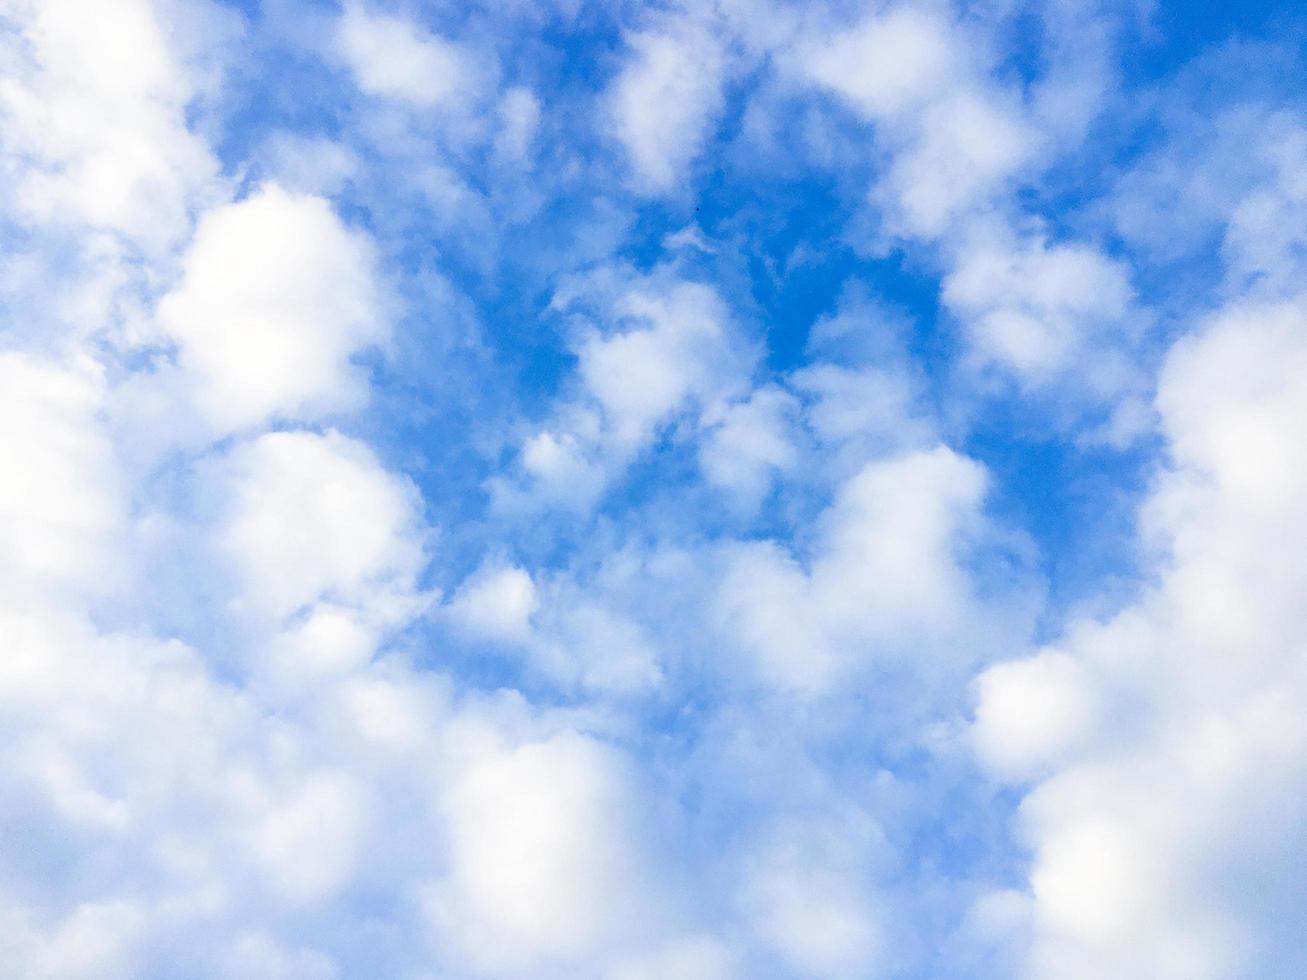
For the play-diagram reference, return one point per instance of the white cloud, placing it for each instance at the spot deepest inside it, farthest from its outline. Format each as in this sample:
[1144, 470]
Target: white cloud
[873, 408]
[665, 100]
[967, 146]
[496, 604]
[97, 117]
[652, 350]
[560, 467]
[1231, 174]
[275, 297]
[891, 64]
[599, 650]
[1037, 309]
[560, 632]
[230, 743]
[308, 840]
[1264, 240]
[308, 517]
[886, 578]
[748, 443]
[544, 865]
[1033, 712]
[954, 136]
[60, 492]
[679, 349]
[1161, 839]
[396, 58]
[806, 894]
[957, 139]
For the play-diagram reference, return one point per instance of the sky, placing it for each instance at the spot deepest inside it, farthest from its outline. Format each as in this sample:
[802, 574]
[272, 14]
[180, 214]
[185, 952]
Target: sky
[720, 490]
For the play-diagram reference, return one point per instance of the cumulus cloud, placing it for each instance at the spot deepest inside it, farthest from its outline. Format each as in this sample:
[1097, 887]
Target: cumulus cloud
[1163, 729]
[276, 295]
[665, 99]
[96, 106]
[396, 58]
[497, 604]
[958, 141]
[542, 863]
[1036, 308]
[750, 443]
[888, 576]
[60, 500]
[955, 135]
[308, 517]
[651, 351]
[541, 490]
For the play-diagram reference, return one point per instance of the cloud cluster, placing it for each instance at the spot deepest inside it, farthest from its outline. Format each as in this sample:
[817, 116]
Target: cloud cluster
[569, 490]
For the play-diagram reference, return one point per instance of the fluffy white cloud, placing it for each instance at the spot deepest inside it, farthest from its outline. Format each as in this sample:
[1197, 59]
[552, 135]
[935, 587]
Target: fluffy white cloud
[873, 408]
[957, 140]
[893, 63]
[679, 348]
[1032, 712]
[749, 442]
[60, 493]
[95, 105]
[665, 100]
[954, 135]
[496, 604]
[806, 894]
[561, 467]
[1036, 308]
[560, 631]
[275, 297]
[543, 857]
[308, 517]
[396, 58]
[232, 744]
[1162, 842]
[652, 350]
[886, 578]
[968, 145]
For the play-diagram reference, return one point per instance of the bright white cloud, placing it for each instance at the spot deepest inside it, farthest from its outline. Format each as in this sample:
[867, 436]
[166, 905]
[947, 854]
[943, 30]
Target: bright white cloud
[308, 517]
[497, 604]
[396, 58]
[544, 859]
[1161, 840]
[700, 710]
[886, 579]
[665, 100]
[60, 494]
[1037, 309]
[276, 295]
[750, 443]
[95, 104]
[892, 63]
[1033, 712]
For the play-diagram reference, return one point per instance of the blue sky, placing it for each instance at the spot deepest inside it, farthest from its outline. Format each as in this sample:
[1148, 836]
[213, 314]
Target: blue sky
[741, 489]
